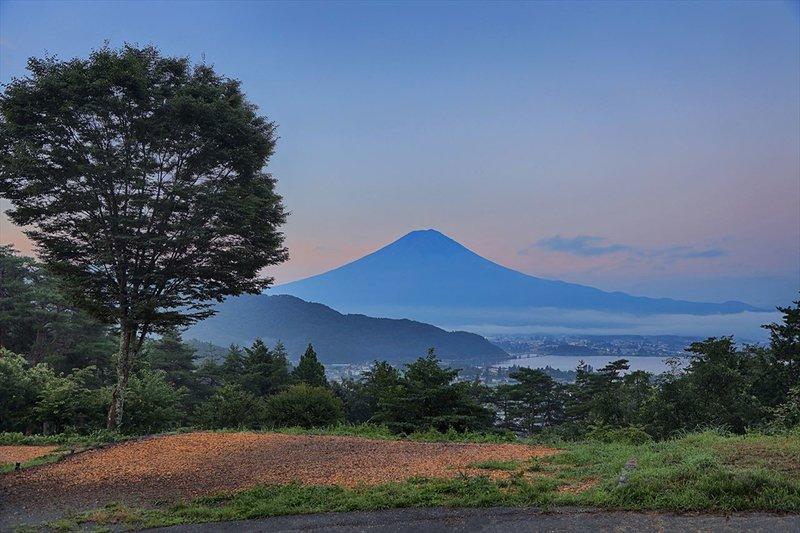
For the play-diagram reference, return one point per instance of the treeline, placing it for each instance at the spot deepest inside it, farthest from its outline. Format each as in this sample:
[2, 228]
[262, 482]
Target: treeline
[255, 387]
[722, 385]
[56, 375]
[718, 385]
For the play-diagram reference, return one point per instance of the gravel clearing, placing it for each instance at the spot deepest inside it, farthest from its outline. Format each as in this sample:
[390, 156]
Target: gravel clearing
[169, 468]
[20, 454]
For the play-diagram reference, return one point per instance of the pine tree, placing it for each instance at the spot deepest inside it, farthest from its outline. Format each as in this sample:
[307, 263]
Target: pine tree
[280, 360]
[264, 372]
[379, 383]
[785, 347]
[232, 364]
[38, 322]
[429, 397]
[309, 370]
[173, 356]
[533, 402]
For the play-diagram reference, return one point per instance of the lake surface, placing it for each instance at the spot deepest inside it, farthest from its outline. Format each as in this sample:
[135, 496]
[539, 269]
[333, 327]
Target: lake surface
[655, 365]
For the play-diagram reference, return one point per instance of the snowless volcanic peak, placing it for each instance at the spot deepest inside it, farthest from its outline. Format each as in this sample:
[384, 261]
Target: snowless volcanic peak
[426, 274]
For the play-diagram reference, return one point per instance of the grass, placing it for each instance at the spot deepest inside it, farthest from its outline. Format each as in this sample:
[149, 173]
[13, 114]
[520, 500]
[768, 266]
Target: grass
[695, 473]
[37, 461]
[66, 440]
[369, 431]
[508, 466]
[699, 472]
[373, 431]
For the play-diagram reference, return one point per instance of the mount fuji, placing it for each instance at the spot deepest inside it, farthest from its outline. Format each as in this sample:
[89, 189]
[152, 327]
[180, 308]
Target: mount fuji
[428, 276]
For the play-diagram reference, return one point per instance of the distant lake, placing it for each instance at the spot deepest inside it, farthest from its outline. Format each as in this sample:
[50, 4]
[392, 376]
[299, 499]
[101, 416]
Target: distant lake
[655, 365]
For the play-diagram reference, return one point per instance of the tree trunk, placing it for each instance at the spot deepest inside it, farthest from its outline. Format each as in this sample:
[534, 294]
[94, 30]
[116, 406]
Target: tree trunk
[124, 360]
[38, 347]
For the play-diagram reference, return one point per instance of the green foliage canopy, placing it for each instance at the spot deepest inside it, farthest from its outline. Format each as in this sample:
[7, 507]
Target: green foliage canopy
[37, 321]
[142, 180]
[427, 396]
[303, 405]
[309, 370]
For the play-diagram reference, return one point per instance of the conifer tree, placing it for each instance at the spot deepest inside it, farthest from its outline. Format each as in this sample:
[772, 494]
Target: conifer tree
[309, 370]
[429, 397]
[533, 402]
[232, 363]
[173, 356]
[264, 372]
[785, 347]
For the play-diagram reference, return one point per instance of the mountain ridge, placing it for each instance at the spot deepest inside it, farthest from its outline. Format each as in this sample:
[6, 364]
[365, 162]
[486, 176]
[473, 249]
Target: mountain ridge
[337, 337]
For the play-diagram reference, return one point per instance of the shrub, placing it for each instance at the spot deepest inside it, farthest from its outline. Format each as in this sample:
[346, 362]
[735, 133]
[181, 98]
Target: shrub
[231, 407]
[153, 404]
[627, 435]
[305, 406]
[787, 415]
[69, 402]
[21, 386]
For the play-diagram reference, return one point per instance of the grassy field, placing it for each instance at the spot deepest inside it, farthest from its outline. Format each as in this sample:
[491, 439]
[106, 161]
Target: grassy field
[699, 472]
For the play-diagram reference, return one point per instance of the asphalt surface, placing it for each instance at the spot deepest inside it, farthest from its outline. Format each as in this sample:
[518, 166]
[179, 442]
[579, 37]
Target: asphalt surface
[502, 520]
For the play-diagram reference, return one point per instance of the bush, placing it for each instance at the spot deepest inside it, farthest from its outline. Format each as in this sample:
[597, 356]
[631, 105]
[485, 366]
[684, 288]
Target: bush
[20, 390]
[231, 407]
[152, 403]
[305, 406]
[787, 415]
[100, 436]
[68, 402]
[629, 435]
[452, 435]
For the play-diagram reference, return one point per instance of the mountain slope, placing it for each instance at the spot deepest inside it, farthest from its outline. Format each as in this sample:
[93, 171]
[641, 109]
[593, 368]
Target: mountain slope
[337, 338]
[425, 271]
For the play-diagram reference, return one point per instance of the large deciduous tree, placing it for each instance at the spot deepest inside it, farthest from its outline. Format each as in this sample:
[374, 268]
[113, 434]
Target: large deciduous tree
[142, 180]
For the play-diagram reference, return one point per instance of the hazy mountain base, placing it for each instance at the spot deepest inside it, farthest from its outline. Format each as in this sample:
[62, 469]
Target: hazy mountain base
[491, 321]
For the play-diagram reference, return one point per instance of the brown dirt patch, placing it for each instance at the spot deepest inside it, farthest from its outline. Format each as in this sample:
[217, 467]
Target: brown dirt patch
[782, 456]
[577, 488]
[20, 454]
[173, 467]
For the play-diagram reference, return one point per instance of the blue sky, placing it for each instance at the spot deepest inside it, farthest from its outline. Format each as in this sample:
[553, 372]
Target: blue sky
[646, 147]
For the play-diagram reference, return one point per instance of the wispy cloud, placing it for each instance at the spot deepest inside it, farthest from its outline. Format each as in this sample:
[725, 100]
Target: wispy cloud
[687, 252]
[593, 246]
[583, 245]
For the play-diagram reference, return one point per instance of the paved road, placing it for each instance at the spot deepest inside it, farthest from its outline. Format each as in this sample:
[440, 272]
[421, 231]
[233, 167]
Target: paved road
[502, 520]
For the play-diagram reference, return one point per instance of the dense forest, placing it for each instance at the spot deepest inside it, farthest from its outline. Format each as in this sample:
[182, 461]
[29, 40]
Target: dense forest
[56, 375]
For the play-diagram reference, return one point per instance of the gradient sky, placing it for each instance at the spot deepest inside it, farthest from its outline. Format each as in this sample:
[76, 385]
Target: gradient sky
[646, 147]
